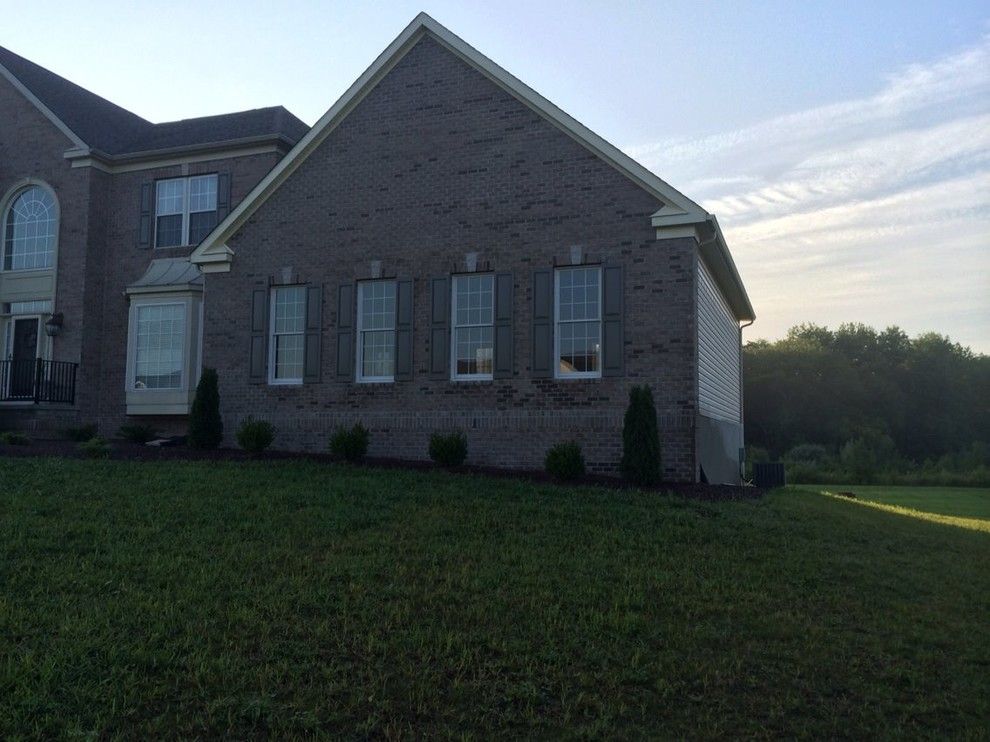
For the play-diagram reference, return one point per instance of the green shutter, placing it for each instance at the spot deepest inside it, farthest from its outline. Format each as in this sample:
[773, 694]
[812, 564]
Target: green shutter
[404, 330]
[612, 319]
[345, 332]
[542, 352]
[502, 366]
[259, 335]
[147, 215]
[314, 334]
[440, 327]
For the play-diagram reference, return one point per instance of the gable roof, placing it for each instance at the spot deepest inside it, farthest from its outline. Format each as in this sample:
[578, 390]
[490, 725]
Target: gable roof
[92, 122]
[677, 210]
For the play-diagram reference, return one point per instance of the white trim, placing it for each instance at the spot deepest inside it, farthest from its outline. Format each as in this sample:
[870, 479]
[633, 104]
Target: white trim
[359, 376]
[557, 373]
[454, 376]
[45, 110]
[132, 163]
[272, 381]
[213, 249]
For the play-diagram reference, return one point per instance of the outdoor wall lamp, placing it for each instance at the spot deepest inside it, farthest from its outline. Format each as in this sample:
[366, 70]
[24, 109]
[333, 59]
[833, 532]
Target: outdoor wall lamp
[54, 325]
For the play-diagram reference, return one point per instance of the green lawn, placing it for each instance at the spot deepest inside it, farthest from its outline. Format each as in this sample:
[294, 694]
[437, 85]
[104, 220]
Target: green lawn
[972, 503]
[144, 600]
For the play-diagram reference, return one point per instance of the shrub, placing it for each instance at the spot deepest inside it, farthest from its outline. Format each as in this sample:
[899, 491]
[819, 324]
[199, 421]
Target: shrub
[254, 436]
[137, 433]
[94, 448]
[13, 438]
[448, 449]
[205, 425]
[82, 432]
[350, 443]
[640, 438]
[868, 456]
[565, 462]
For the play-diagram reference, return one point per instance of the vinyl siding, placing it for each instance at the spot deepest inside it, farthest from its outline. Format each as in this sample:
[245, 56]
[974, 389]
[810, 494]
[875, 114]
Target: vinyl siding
[718, 352]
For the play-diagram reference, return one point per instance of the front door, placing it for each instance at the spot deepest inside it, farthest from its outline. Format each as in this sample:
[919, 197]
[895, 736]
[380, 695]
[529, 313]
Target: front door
[23, 354]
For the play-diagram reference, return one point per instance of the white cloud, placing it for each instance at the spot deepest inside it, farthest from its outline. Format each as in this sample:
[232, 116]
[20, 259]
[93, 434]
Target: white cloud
[874, 209]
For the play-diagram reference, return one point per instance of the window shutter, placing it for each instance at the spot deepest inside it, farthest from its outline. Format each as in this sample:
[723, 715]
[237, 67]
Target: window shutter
[345, 332]
[259, 335]
[223, 196]
[147, 215]
[314, 334]
[612, 315]
[404, 330]
[440, 328]
[542, 360]
[502, 366]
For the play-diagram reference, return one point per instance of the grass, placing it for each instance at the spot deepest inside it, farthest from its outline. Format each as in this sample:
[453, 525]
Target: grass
[261, 600]
[961, 502]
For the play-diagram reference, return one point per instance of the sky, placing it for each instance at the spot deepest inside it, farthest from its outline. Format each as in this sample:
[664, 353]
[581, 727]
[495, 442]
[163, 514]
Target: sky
[844, 147]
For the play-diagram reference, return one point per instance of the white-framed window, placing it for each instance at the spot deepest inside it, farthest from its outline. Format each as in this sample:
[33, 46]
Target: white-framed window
[287, 335]
[159, 346]
[185, 210]
[578, 318]
[30, 230]
[164, 345]
[376, 331]
[472, 327]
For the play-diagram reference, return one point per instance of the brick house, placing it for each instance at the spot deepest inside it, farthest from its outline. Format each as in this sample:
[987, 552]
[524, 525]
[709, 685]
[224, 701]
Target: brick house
[443, 249]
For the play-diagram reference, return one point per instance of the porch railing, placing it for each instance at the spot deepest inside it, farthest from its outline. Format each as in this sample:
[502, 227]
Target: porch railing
[37, 380]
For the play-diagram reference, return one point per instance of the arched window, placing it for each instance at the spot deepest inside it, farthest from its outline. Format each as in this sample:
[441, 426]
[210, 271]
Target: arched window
[30, 230]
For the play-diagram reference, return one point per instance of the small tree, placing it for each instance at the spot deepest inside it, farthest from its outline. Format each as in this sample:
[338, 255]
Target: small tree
[205, 425]
[641, 439]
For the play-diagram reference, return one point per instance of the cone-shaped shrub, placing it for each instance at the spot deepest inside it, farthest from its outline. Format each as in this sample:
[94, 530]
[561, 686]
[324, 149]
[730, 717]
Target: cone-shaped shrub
[205, 426]
[640, 439]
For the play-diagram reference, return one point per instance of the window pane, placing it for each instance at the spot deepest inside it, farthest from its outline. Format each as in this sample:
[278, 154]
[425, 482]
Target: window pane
[288, 356]
[170, 196]
[30, 231]
[168, 233]
[203, 193]
[473, 350]
[378, 305]
[474, 299]
[290, 309]
[578, 293]
[580, 346]
[378, 353]
[201, 225]
[159, 346]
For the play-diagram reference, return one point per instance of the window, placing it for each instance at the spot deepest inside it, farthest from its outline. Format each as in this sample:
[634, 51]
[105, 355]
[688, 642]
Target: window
[159, 346]
[578, 314]
[287, 342]
[376, 331]
[185, 210]
[473, 314]
[30, 231]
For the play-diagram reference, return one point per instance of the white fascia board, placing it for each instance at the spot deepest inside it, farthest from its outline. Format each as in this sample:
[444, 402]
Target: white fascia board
[77, 143]
[676, 202]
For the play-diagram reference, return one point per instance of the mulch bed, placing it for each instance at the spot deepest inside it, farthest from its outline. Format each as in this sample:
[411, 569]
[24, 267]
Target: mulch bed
[126, 451]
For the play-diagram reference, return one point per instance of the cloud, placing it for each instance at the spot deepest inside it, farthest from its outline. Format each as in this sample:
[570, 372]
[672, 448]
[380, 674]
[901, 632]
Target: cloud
[875, 209]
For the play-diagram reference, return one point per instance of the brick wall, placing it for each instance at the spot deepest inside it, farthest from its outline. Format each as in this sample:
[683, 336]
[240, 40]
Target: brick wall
[434, 163]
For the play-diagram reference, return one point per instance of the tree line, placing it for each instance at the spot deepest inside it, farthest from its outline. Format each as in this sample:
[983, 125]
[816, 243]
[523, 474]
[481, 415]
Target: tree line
[860, 404]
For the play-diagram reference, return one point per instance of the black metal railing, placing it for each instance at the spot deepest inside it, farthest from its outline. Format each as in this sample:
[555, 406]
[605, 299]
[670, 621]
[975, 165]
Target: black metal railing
[37, 380]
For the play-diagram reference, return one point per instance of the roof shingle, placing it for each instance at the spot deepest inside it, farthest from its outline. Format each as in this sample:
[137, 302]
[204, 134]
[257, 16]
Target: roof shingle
[107, 127]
